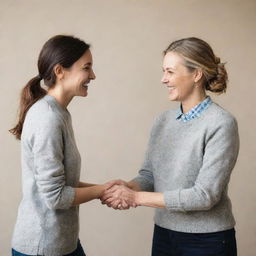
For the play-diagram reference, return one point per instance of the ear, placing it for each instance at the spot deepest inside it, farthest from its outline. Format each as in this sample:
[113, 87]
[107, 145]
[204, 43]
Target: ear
[198, 75]
[58, 71]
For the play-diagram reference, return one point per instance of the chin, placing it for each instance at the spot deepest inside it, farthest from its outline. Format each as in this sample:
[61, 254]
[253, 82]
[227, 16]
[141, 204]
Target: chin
[82, 95]
[171, 98]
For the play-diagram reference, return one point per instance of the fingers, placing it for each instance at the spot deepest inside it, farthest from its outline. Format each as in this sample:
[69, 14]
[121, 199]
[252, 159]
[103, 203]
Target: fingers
[113, 192]
[116, 182]
[119, 197]
[115, 204]
[124, 205]
[106, 196]
[112, 189]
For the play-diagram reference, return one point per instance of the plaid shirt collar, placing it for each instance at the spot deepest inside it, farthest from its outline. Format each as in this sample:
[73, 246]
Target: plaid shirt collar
[195, 111]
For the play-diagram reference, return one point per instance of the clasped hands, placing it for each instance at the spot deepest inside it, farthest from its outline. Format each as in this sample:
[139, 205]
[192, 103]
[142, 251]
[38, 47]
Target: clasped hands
[119, 195]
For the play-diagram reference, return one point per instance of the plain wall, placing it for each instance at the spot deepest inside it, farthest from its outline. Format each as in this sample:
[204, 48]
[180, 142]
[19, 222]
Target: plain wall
[112, 124]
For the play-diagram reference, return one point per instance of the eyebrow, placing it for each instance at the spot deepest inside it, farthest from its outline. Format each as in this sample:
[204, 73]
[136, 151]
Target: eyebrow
[87, 64]
[168, 68]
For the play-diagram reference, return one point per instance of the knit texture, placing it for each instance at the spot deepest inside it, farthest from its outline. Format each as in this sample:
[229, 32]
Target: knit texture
[47, 224]
[190, 163]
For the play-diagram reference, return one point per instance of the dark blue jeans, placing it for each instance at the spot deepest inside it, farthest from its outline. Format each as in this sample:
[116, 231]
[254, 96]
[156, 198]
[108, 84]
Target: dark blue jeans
[172, 243]
[78, 252]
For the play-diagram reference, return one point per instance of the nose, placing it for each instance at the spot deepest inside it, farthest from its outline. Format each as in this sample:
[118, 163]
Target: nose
[164, 79]
[92, 75]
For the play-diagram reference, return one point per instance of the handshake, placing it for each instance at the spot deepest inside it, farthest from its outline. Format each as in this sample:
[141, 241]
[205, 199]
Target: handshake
[119, 194]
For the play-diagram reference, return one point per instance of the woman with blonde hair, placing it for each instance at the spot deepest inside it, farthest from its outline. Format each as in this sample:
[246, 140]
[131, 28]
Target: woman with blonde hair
[191, 154]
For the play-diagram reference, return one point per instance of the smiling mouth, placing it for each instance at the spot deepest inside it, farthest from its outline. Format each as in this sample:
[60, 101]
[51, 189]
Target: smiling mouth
[86, 84]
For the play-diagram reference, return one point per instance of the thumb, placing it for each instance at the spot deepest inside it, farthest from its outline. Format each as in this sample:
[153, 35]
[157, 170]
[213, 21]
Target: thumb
[110, 184]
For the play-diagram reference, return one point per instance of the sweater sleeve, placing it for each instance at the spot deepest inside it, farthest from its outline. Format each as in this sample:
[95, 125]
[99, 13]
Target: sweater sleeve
[145, 177]
[220, 155]
[47, 147]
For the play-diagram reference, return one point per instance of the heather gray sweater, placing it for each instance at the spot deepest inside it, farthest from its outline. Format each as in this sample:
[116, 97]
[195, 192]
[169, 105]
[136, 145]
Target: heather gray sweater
[191, 162]
[47, 224]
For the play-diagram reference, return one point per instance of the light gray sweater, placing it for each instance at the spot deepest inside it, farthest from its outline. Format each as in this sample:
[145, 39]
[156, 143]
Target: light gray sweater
[191, 162]
[47, 224]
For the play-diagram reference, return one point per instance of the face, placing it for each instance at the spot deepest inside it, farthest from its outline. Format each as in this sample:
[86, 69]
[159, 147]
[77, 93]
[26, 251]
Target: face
[76, 78]
[177, 78]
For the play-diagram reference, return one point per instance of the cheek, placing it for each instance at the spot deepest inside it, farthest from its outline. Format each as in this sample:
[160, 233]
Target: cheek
[186, 81]
[80, 79]
[185, 85]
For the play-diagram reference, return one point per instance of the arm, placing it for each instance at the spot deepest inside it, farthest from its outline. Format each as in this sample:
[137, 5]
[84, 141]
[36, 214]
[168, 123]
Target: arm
[219, 159]
[121, 196]
[150, 199]
[47, 148]
[85, 194]
[145, 178]
[221, 151]
[85, 185]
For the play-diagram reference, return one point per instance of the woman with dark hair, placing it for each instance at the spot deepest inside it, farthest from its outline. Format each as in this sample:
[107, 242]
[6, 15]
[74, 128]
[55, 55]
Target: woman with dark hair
[191, 154]
[47, 222]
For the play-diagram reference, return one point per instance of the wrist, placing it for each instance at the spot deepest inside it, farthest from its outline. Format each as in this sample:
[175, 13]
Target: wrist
[99, 191]
[137, 199]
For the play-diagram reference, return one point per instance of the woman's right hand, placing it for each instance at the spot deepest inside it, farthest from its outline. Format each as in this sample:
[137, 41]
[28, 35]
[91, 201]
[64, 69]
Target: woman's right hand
[118, 202]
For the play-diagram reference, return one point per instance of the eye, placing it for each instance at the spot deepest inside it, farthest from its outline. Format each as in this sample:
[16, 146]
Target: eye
[86, 68]
[170, 72]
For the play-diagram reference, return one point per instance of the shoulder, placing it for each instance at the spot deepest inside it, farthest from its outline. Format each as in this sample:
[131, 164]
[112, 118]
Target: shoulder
[166, 116]
[42, 110]
[162, 119]
[42, 115]
[217, 115]
[221, 122]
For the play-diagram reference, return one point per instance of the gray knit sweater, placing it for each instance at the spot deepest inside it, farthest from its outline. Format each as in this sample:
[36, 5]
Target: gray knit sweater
[47, 224]
[191, 162]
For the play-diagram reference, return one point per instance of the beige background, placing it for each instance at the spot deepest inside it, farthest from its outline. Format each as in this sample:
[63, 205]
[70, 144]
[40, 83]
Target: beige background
[112, 125]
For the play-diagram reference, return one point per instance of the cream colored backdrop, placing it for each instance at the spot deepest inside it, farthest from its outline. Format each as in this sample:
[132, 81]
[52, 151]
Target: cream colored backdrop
[112, 124]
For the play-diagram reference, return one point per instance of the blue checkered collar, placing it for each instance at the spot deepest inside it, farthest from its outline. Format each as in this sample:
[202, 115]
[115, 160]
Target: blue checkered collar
[195, 111]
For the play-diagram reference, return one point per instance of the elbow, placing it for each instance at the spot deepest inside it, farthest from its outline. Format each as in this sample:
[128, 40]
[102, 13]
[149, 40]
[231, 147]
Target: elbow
[208, 203]
[63, 200]
[206, 199]
[52, 200]
[51, 204]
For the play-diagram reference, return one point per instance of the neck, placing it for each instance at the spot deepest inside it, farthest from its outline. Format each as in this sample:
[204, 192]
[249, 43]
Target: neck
[62, 98]
[192, 101]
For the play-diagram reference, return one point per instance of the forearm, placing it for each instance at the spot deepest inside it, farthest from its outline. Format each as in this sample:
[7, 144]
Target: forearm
[150, 199]
[85, 185]
[85, 194]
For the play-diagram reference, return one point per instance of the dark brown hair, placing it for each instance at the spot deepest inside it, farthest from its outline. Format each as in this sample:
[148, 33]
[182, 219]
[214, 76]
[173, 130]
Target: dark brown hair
[60, 49]
[199, 54]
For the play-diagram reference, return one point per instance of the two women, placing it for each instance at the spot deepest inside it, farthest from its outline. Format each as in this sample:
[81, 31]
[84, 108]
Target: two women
[187, 167]
[190, 156]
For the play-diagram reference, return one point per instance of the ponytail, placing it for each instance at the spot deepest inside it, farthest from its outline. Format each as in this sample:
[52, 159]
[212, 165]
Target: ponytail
[60, 49]
[31, 93]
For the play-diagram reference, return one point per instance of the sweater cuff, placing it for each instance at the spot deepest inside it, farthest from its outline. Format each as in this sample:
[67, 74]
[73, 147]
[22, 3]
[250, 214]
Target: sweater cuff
[145, 185]
[67, 197]
[172, 200]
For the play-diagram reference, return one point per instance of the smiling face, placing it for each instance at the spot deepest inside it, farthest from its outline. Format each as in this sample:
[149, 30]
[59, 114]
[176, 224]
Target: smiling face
[179, 80]
[76, 78]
